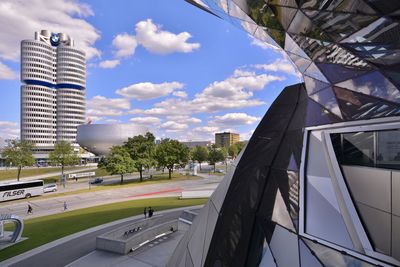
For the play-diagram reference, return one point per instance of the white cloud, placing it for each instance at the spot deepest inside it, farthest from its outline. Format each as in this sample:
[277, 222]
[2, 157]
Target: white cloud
[109, 64]
[231, 119]
[146, 120]
[282, 65]
[6, 73]
[149, 90]
[183, 119]
[22, 18]
[261, 44]
[9, 130]
[151, 37]
[100, 106]
[8, 124]
[182, 94]
[206, 129]
[125, 45]
[172, 126]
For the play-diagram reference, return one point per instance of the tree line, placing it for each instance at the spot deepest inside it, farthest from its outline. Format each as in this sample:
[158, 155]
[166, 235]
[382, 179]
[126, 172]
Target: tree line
[138, 153]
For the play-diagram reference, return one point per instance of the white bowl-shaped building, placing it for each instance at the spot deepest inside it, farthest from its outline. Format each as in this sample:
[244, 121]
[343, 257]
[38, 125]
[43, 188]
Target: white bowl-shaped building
[99, 138]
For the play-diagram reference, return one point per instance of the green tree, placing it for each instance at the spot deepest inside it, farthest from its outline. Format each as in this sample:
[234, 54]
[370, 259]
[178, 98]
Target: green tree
[199, 154]
[64, 155]
[170, 152]
[19, 154]
[119, 162]
[240, 145]
[233, 150]
[142, 149]
[215, 155]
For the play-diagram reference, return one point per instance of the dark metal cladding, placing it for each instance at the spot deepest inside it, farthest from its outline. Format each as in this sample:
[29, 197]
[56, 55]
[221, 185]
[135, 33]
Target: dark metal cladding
[348, 52]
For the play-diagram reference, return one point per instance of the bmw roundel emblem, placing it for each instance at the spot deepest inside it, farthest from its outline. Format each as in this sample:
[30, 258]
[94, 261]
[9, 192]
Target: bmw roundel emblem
[54, 39]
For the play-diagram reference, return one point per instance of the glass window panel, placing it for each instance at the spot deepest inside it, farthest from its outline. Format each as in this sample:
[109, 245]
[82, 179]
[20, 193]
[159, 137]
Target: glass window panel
[359, 106]
[284, 247]
[314, 85]
[301, 63]
[374, 84]
[337, 73]
[289, 3]
[327, 99]
[294, 48]
[322, 219]
[358, 148]
[378, 225]
[355, 6]
[332, 258]
[302, 25]
[339, 25]
[388, 154]
[318, 115]
[314, 72]
[396, 237]
[306, 258]
[284, 15]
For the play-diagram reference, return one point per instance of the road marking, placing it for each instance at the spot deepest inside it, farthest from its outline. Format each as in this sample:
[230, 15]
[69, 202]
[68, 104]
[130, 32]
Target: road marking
[158, 192]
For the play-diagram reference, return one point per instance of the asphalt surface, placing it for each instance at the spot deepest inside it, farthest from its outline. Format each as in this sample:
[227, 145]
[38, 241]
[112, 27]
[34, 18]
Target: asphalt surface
[48, 206]
[65, 253]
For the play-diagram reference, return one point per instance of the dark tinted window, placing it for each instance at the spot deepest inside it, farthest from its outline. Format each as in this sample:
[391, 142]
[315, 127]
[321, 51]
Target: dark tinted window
[374, 149]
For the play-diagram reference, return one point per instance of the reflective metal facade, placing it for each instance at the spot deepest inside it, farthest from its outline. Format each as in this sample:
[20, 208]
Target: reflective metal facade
[99, 138]
[53, 76]
[290, 200]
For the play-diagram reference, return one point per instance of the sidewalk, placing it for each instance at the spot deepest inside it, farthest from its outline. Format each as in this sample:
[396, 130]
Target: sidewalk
[88, 233]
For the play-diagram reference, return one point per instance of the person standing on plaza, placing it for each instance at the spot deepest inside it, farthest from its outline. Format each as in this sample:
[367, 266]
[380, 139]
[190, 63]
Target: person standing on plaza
[145, 212]
[65, 205]
[29, 209]
[150, 212]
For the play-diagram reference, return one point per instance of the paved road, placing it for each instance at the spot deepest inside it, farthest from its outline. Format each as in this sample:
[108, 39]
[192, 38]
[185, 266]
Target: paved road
[54, 205]
[65, 253]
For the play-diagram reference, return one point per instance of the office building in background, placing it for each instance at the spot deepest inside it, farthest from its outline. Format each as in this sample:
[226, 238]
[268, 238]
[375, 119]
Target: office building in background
[53, 77]
[226, 139]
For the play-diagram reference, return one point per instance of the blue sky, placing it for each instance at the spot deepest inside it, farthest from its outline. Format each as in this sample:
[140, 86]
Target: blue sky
[166, 64]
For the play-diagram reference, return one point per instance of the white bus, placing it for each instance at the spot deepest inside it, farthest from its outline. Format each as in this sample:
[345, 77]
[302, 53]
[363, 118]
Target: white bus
[16, 190]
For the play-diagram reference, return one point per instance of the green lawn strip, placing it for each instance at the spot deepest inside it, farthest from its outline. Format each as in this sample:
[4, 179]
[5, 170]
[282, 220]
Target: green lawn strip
[162, 178]
[12, 173]
[45, 229]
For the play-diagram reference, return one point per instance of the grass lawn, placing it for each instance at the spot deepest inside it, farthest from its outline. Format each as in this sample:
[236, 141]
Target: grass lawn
[12, 173]
[45, 229]
[159, 178]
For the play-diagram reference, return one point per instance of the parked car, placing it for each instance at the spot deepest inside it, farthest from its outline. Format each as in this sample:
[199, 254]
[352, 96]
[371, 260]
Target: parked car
[97, 181]
[50, 188]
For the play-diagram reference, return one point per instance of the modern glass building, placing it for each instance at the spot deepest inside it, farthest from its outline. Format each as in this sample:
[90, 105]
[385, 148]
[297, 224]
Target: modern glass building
[319, 181]
[53, 76]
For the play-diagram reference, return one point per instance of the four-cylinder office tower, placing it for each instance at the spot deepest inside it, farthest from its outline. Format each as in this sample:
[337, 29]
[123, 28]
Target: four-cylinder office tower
[53, 76]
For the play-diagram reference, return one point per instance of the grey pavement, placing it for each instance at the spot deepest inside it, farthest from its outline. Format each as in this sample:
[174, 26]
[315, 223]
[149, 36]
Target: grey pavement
[48, 206]
[71, 248]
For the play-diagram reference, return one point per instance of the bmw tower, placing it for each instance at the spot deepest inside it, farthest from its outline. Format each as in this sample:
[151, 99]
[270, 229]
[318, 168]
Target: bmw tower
[53, 76]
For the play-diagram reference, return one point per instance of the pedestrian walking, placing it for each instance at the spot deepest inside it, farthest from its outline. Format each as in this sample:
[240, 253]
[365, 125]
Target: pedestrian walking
[65, 205]
[29, 209]
[145, 213]
[150, 212]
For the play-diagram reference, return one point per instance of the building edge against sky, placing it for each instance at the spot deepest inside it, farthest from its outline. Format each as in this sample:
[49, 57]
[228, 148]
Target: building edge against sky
[296, 196]
[53, 77]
